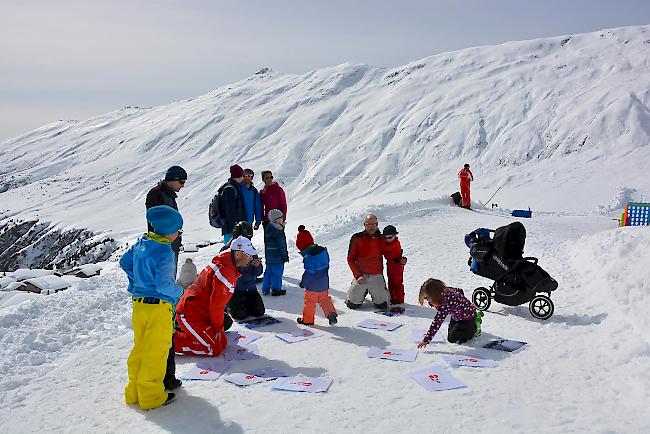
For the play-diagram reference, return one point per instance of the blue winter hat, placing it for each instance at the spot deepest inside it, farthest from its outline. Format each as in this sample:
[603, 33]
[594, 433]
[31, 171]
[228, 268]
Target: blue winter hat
[164, 219]
[176, 173]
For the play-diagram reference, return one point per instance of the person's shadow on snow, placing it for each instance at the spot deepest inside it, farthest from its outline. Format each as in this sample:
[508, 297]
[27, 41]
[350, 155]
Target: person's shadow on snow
[355, 336]
[473, 347]
[191, 414]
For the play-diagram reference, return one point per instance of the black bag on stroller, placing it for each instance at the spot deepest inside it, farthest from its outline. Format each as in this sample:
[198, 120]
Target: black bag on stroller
[517, 279]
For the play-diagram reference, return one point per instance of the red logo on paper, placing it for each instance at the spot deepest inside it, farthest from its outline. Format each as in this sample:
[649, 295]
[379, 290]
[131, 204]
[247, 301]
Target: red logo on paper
[249, 377]
[303, 383]
[390, 353]
[434, 377]
[383, 325]
[203, 372]
[469, 360]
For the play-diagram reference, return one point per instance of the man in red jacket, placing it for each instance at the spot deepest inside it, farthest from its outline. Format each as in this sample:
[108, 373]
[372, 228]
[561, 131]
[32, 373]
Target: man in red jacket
[366, 260]
[465, 176]
[272, 196]
[199, 313]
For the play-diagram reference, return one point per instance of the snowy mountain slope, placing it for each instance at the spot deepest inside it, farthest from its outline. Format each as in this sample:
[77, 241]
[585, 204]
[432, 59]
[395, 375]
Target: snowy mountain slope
[567, 114]
[583, 370]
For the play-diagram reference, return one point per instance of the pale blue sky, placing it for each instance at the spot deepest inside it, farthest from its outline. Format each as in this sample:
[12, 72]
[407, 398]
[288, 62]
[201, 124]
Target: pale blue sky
[73, 59]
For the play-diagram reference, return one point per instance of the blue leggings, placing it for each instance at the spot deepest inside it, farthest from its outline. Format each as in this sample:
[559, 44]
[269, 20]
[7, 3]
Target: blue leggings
[272, 277]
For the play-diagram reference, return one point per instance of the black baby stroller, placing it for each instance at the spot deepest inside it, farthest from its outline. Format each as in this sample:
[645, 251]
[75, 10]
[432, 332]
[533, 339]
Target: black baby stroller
[517, 280]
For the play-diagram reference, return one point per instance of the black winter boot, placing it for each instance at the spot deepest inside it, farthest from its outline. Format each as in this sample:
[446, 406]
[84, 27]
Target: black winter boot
[332, 317]
[173, 384]
[351, 305]
[170, 398]
[300, 321]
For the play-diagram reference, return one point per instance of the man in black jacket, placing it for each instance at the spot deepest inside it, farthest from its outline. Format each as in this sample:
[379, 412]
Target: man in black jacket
[233, 208]
[165, 194]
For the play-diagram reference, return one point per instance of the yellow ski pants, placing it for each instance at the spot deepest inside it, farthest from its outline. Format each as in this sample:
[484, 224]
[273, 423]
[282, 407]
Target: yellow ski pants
[152, 336]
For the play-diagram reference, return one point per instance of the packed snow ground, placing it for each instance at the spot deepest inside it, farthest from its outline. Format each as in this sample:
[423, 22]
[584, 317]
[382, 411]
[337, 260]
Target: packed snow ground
[584, 370]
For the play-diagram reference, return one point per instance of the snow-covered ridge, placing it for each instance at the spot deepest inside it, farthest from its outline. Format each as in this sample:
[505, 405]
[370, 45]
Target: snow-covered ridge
[569, 113]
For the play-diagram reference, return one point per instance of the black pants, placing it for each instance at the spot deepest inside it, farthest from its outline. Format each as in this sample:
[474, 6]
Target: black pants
[245, 303]
[461, 331]
[170, 372]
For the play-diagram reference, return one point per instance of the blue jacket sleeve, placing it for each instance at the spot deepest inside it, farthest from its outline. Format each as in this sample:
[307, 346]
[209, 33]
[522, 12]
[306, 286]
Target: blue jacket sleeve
[258, 207]
[165, 277]
[282, 243]
[126, 262]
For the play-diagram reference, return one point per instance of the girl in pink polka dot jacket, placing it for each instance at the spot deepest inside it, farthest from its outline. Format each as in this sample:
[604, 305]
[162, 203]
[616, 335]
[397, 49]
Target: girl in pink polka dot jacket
[465, 320]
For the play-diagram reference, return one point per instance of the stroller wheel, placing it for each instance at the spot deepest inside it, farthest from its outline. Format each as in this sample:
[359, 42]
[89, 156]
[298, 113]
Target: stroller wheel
[541, 307]
[481, 298]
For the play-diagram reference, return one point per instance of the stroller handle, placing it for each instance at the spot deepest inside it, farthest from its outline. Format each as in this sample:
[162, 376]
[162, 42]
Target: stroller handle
[531, 259]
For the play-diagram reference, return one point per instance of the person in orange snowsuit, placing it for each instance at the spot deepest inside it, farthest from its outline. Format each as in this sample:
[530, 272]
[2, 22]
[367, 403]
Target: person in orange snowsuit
[200, 312]
[395, 262]
[466, 177]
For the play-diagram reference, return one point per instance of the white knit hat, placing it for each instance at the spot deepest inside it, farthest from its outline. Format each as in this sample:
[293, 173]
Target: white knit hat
[243, 244]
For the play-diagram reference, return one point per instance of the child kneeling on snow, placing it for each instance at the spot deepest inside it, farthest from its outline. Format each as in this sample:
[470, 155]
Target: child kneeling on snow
[200, 312]
[150, 265]
[465, 320]
[315, 279]
[245, 301]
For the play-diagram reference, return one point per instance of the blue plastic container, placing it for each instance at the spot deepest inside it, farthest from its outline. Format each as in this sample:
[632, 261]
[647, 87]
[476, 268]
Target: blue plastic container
[522, 213]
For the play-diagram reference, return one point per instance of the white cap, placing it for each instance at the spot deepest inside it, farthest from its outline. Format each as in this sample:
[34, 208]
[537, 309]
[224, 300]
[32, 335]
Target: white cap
[243, 244]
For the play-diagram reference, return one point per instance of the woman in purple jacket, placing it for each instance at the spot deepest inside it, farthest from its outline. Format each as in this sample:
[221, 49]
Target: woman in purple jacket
[465, 321]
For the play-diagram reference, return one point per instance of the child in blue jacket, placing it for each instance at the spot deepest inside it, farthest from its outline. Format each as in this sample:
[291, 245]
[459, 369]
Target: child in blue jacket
[150, 265]
[315, 279]
[275, 251]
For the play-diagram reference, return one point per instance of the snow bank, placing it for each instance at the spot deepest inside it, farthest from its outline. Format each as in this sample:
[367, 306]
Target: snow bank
[614, 265]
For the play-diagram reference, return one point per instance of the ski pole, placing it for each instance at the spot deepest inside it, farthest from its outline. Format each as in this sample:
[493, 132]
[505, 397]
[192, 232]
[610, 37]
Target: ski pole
[495, 193]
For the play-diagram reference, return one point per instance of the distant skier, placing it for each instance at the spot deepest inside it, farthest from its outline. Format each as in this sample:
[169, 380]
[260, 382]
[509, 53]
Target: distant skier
[466, 177]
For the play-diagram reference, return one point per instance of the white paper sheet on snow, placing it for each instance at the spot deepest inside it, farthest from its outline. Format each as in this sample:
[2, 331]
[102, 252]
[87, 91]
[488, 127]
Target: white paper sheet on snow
[392, 354]
[196, 373]
[300, 336]
[302, 384]
[243, 338]
[268, 372]
[236, 352]
[380, 325]
[418, 334]
[435, 378]
[216, 365]
[456, 360]
[242, 379]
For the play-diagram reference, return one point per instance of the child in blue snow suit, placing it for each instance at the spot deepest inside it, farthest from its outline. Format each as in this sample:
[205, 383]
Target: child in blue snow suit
[275, 251]
[315, 279]
[150, 265]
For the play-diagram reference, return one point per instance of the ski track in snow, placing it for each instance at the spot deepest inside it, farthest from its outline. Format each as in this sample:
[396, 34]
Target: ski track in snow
[64, 356]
